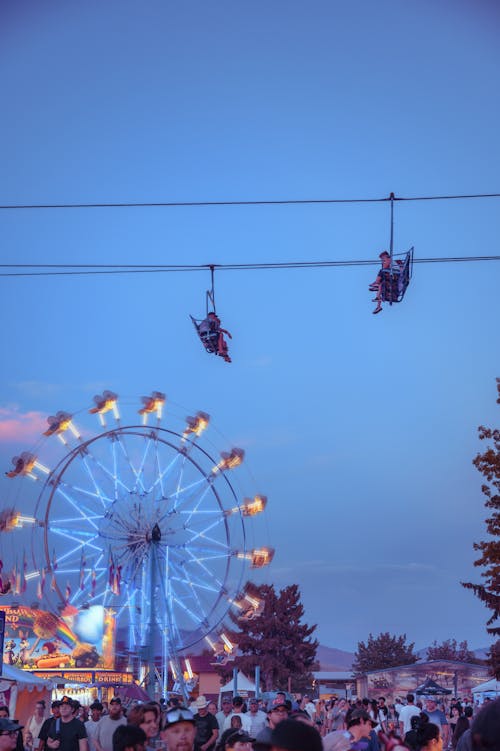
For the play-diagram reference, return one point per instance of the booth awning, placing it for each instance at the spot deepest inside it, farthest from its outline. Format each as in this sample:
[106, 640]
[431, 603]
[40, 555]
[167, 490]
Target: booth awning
[242, 684]
[23, 678]
[489, 686]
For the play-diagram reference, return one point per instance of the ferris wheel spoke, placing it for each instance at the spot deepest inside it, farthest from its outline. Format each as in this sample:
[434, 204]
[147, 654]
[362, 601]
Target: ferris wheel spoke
[84, 491]
[208, 572]
[162, 474]
[115, 479]
[136, 474]
[190, 497]
[83, 512]
[206, 539]
[79, 544]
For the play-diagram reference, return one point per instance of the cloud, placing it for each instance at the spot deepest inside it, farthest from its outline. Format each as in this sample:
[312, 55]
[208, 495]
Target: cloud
[35, 389]
[19, 427]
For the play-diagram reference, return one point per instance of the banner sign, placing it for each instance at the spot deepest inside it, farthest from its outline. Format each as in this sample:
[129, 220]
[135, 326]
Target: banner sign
[36, 639]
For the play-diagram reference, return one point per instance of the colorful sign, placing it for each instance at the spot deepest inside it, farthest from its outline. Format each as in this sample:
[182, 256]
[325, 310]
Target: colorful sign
[38, 640]
[2, 633]
[87, 676]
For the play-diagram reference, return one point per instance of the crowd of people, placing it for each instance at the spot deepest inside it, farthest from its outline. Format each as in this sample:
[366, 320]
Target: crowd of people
[238, 725]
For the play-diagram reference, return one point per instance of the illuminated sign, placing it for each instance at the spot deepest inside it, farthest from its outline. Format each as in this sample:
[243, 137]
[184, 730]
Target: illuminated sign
[84, 676]
[38, 640]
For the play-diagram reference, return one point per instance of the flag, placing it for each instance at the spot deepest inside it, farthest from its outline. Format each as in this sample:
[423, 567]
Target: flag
[41, 583]
[117, 581]
[93, 582]
[83, 563]
[111, 573]
[22, 582]
[67, 594]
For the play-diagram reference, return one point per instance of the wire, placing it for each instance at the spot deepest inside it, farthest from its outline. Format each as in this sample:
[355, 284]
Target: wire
[91, 269]
[278, 202]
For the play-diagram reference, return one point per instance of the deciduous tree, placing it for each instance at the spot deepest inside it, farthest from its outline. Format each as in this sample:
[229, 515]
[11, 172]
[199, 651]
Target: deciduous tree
[277, 641]
[450, 650]
[488, 464]
[383, 651]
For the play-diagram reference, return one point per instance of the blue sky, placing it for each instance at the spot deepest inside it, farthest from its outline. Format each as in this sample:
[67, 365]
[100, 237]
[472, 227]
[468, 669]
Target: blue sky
[360, 429]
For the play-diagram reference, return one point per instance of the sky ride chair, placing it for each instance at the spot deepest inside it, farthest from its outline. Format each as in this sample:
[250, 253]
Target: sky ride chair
[394, 281]
[209, 329]
[394, 276]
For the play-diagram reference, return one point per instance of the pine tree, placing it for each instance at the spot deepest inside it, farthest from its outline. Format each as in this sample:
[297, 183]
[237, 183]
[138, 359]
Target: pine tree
[383, 651]
[277, 641]
[488, 464]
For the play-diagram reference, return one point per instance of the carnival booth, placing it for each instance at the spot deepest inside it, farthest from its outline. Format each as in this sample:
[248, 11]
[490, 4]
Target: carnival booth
[242, 686]
[20, 690]
[487, 690]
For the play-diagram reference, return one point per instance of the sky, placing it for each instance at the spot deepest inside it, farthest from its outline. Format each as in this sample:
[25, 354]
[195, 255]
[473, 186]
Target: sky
[360, 429]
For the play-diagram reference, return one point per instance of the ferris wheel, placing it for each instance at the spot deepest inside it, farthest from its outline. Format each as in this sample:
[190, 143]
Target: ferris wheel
[142, 518]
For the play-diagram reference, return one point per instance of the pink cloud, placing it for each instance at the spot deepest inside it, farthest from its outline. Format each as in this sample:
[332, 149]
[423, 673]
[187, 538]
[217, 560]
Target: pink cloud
[17, 427]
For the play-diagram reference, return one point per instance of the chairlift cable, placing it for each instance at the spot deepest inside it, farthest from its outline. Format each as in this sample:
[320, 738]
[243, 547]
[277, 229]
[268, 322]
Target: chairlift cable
[260, 202]
[107, 269]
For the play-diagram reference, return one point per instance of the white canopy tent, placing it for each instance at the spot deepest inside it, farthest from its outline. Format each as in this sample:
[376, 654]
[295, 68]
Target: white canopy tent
[244, 686]
[492, 686]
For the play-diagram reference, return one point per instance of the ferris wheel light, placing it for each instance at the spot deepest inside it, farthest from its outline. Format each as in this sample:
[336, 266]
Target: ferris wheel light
[261, 557]
[196, 424]
[74, 429]
[254, 506]
[41, 467]
[210, 643]
[21, 520]
[173, 670]
[229, 460]
[188, 668]
[227, 642]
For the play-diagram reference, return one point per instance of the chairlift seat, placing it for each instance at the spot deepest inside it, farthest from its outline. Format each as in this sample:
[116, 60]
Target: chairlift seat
[395, 280]
[209, 339]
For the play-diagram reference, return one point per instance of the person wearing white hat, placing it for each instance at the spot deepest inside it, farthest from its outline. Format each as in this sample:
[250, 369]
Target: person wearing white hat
[207, 728]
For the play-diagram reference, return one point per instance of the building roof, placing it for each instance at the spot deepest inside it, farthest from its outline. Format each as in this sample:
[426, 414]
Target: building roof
[431, 664]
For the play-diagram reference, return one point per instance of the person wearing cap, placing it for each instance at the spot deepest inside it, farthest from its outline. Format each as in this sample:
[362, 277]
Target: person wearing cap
[257, 718]
[239, 741]
[179, 730]
[291, 735]
[9, 733]
[55, 708]
[237, 710]
[103, 738]
[91, 724]
[67, 733]
[276, 714]
[207, 729]
[226, 708]
[360, 725]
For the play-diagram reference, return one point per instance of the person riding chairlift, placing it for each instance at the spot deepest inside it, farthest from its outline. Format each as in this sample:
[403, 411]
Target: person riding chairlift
[210, 329]
[376, 286]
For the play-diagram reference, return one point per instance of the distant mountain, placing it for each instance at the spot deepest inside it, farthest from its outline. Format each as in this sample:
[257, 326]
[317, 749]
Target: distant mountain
[333, 660]
[481, 653]
[336, 660]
